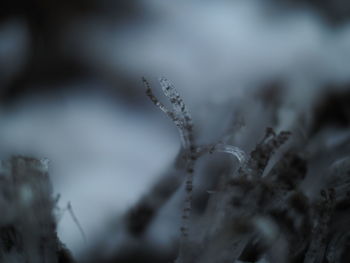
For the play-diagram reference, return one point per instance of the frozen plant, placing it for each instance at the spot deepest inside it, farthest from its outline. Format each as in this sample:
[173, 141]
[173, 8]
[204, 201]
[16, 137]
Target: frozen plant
[263, 208]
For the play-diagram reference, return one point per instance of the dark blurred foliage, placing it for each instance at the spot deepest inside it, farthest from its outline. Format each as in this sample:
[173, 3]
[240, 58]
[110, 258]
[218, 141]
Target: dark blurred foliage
[28, 225]
[332, 110]
[336, 12]
[48, 65]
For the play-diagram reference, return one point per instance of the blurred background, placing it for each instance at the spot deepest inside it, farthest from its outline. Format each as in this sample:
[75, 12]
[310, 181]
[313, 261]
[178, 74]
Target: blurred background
[70, 87]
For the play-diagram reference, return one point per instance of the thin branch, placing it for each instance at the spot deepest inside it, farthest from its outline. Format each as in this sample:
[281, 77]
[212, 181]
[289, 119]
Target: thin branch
[76, 221]
[183, 120]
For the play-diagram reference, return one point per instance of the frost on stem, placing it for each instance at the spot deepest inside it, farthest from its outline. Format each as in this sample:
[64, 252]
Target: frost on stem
[180, 110]
[183, 121]
[179, 115]
[230, 149]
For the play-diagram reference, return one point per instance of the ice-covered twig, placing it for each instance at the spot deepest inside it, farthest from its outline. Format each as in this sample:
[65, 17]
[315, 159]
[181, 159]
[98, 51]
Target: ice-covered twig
[235, 151]
[180, 115]
[183, 120]
[178, 104]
